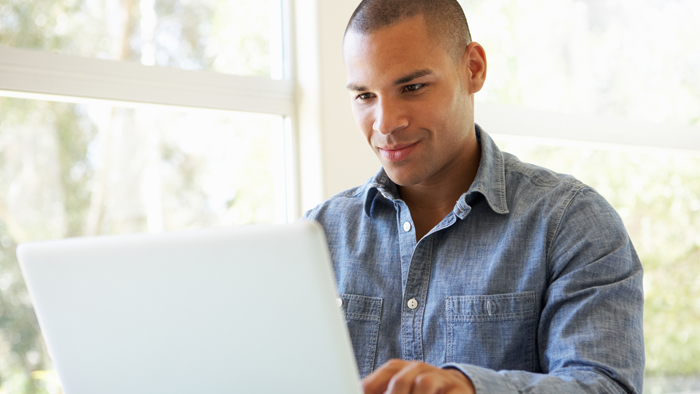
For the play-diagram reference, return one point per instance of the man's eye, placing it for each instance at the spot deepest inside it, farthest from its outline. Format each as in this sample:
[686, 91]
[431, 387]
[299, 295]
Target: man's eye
[413, 87]
[364, 96]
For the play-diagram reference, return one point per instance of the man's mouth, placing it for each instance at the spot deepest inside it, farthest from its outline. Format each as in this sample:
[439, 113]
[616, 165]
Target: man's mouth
[398, 152]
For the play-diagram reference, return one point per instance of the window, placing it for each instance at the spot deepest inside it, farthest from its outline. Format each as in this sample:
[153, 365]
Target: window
[609, 91]
[121, 116]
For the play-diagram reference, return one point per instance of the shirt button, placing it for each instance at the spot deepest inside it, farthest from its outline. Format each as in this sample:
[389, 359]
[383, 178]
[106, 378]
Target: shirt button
[407, 226]
[412, 303]
[339, 302]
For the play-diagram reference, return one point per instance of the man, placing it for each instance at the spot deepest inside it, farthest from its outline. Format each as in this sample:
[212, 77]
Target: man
[460, 268]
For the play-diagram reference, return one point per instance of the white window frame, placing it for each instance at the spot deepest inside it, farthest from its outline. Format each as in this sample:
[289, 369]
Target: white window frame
[578, 128]
[26, 72]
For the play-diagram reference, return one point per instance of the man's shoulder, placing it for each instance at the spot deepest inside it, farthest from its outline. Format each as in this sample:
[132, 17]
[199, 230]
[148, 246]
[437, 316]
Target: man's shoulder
[520, 172]
[563, 196]
[349, 200]
[529, 184]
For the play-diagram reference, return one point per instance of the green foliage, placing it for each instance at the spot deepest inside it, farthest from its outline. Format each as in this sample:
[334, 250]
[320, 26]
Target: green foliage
[49, 25]
[20, 339]
[226, 36]
[18, 326]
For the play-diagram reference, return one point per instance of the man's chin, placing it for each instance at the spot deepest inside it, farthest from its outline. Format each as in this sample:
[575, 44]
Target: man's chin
[402, 176]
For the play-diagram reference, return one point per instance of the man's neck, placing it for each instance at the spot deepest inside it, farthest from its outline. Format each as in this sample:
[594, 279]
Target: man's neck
[430, 201]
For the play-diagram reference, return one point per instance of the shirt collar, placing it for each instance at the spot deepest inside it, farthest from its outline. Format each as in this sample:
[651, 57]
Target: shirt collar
[382, 185]
[490, 180]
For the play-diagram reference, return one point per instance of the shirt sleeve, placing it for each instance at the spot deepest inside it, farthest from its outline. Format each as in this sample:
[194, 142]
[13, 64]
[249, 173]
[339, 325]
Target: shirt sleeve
[590, 336]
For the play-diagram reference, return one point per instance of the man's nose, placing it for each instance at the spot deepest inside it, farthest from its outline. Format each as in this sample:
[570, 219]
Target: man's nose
[389, 117]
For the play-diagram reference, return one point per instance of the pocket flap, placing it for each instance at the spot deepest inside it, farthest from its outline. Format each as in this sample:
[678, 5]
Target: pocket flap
[491, 307]
[359, 307]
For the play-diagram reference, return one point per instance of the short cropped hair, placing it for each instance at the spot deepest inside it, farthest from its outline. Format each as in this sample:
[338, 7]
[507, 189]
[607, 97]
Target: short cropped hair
[445, 19]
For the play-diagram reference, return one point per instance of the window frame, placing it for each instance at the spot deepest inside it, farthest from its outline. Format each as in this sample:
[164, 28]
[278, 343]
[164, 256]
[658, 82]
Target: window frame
[27, 72]
[556, 126]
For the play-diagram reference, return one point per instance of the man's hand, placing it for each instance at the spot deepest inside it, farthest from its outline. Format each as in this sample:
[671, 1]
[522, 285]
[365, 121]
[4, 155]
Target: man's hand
[412, 377]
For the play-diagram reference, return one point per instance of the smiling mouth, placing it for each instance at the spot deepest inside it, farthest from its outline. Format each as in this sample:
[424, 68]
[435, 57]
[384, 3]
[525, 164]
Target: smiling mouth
[398, 152]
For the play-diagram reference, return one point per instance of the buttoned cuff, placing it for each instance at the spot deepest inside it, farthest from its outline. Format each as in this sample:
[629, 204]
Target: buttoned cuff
[485, 380]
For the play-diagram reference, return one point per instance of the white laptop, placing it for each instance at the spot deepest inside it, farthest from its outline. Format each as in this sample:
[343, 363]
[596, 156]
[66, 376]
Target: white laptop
[238, 310]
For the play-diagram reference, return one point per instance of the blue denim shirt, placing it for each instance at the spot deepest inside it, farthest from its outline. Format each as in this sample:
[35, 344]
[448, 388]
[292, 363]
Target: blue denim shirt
[530, 284]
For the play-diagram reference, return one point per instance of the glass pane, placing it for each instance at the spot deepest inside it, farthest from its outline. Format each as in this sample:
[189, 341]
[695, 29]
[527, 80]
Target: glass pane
[631, 59]
[228, 36]
[657, 194]
[82, 169]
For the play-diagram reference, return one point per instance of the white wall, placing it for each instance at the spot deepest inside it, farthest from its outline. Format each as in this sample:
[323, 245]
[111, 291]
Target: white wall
[333, 156]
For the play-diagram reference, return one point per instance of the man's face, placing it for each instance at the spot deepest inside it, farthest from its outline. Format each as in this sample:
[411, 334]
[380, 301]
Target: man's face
[411, 100]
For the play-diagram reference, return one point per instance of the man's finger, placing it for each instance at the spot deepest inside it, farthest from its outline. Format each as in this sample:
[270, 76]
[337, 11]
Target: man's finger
[442, 381]
[404, 380]
[378, 381]
[411, 377]
[431, 382]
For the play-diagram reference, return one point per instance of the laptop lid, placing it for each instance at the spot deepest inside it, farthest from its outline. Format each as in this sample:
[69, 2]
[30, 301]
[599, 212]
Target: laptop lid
[237, 310]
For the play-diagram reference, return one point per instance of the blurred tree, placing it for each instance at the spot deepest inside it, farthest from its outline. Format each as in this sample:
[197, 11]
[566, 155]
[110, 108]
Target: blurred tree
[42, 25]
[69, 136]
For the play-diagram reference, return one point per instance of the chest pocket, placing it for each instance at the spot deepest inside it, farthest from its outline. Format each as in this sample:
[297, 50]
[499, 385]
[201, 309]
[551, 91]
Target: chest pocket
[362, 315]
[493, 331]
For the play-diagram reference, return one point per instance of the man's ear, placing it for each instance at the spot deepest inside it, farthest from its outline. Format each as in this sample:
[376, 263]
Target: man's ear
[474, 62]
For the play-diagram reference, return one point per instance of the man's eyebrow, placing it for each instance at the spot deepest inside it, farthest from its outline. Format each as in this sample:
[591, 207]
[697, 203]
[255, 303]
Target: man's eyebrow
[402, 80]
[413, 75]
[355, 87]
